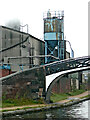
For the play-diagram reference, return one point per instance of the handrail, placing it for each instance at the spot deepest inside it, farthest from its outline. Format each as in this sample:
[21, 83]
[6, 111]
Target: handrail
[68, 60]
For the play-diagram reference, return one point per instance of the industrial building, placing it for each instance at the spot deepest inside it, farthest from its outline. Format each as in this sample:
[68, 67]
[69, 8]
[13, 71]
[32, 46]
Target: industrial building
[54, 35]
[20, 50]
[16, 47]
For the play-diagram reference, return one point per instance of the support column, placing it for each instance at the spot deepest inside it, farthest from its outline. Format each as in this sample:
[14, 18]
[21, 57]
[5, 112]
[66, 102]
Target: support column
[80, 79]
[45, 51]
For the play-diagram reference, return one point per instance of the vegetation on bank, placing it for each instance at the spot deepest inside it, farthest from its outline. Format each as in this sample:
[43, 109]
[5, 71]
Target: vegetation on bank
[20, 102]
[57, 97]
[54, 98]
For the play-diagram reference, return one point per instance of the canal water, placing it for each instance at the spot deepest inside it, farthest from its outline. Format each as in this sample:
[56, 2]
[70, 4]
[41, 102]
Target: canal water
[78, 112]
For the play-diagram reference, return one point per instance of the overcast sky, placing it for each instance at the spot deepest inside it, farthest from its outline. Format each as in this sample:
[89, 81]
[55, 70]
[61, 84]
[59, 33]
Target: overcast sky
[31, 12]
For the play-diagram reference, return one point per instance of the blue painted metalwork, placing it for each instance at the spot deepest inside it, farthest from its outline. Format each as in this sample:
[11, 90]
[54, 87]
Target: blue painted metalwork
[50, 36]
[5, 67]
[72, 52]
[54, 36]
[21, 67]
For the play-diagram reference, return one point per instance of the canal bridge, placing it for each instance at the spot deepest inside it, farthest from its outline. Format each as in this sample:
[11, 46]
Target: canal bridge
[57, 70]
[67, 64]
[36, 79]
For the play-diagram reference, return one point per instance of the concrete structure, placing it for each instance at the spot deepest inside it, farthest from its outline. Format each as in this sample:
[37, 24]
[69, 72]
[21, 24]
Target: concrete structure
[67, 55]
[16, 44]
[86, 78]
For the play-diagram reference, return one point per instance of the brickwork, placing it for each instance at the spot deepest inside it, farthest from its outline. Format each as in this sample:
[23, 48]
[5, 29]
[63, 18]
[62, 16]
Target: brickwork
[62, 86]
[26, 84]
[5, 72]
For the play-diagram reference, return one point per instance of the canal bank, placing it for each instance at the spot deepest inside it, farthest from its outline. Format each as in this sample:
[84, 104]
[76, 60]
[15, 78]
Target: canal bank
[35, 108]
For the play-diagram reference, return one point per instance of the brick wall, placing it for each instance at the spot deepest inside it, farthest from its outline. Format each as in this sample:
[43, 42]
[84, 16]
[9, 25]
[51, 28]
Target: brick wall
[5, 72]
[26, 84]
[62, 86]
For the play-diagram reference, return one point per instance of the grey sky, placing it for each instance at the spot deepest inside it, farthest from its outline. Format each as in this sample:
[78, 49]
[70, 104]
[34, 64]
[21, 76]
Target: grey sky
[31, 12]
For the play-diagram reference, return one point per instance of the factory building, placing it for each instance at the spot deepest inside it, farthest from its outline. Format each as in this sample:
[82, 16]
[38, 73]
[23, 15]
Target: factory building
[18, 48]
[54, 35]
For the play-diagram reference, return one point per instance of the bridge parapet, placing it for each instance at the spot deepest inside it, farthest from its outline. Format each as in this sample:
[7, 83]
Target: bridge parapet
[28, 84]
[67, 64]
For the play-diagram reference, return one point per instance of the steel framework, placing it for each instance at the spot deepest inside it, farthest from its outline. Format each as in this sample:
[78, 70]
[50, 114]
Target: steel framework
[54, 35]
[67, 64]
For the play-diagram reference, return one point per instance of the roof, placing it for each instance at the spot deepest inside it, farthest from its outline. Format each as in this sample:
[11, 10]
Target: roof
[22, 33]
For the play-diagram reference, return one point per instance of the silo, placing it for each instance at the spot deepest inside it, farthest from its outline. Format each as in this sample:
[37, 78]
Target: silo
[54, 34]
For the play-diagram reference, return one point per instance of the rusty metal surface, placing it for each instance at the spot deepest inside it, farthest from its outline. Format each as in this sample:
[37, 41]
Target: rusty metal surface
[53, 25]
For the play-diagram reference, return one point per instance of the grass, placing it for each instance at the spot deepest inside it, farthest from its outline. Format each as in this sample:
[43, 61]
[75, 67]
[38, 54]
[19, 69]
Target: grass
[22, 101]
[88, 96]
[19, 102]
[24, 108]
[63, 96]
[58, 97]
[76, 92]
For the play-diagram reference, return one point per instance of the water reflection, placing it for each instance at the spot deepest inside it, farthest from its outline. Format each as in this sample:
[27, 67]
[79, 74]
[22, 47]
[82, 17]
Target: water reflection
[78, 111]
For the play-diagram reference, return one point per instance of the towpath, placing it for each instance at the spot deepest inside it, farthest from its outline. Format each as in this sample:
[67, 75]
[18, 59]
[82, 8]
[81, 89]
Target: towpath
[75, 97]
[43, 105]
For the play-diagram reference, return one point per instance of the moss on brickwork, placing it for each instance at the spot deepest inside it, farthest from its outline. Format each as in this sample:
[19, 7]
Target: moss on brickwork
[24, 84]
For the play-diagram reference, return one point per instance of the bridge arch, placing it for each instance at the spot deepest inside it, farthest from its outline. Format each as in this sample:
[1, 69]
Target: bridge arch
[58, 77]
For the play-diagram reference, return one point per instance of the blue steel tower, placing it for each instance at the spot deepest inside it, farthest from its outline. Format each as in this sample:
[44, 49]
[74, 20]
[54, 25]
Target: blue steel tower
[54, 35]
